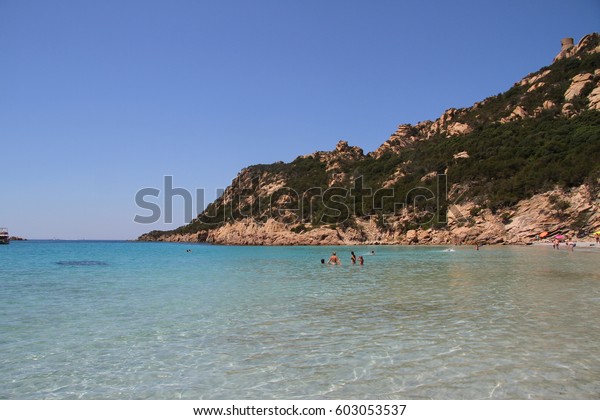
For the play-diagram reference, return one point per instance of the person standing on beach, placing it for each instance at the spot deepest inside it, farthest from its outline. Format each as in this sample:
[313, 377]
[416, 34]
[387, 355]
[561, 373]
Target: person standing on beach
[334, 260]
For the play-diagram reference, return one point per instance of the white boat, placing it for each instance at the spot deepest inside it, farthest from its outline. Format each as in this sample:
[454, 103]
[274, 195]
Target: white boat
[4, 238]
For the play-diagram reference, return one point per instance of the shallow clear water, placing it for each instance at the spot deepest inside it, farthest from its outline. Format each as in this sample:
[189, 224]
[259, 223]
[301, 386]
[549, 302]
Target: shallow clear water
[118, 320]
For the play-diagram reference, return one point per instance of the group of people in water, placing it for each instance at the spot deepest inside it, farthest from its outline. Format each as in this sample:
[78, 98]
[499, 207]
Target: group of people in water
[570, 244]
[335, 260]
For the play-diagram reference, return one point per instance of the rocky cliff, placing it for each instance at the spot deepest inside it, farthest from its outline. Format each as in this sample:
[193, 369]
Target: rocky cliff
[502, 171]
[526, 103]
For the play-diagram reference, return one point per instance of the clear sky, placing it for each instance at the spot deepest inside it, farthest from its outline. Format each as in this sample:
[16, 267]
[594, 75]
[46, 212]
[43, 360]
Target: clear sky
[99, 99]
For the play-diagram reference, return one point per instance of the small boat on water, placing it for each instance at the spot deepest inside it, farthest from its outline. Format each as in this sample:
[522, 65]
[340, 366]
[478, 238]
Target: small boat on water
[4, 238]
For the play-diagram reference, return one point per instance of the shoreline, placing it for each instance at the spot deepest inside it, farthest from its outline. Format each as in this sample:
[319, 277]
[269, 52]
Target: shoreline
[587, 244]
[583, 244]
[580, 244]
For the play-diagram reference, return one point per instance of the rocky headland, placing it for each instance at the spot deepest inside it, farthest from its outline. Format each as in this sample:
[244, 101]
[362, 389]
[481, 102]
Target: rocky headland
[503, 171]
[17, 238]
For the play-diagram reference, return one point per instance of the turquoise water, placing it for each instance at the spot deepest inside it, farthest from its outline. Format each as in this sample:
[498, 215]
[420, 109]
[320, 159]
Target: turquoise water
[119, 320]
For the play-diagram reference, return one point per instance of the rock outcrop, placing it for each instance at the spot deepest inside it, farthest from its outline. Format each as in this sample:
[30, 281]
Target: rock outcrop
[450, 124]
[594, 98]
[577, 84]
[518, 113]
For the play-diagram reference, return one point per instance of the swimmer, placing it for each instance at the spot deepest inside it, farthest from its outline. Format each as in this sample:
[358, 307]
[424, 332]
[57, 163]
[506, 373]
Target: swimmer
[361, 260]
[353, 257]
[334, 260]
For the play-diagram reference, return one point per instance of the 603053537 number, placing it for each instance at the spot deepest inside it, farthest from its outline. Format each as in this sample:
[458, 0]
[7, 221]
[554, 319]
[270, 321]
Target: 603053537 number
[371, 409]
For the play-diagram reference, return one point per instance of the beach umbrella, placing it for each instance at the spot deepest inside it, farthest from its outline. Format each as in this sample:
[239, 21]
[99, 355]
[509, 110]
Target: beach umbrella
[543, 234]
[560, 237]
[597, 233]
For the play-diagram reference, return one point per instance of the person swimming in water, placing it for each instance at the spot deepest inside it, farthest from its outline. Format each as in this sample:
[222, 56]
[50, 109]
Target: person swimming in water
[353, 257]
[334, 260]
[361, 260]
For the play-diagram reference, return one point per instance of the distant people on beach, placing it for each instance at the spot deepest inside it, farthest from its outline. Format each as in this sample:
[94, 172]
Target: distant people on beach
[353, 257]
[555, 243]
[334, 260]
[571, 245]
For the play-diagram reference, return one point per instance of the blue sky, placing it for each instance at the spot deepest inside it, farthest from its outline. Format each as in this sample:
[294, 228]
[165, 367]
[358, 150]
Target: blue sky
[99, 99]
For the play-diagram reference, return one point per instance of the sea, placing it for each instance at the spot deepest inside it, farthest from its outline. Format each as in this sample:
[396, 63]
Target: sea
[161, 321]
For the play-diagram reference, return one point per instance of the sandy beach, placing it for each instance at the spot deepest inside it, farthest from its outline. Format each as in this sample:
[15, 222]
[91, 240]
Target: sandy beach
[579, 244]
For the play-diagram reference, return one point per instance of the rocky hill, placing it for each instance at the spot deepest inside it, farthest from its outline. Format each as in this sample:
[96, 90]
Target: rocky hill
[506, 169]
